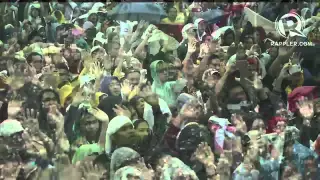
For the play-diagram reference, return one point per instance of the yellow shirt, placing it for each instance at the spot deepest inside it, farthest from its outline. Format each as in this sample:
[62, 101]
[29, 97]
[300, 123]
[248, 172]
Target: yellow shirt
[179, 20]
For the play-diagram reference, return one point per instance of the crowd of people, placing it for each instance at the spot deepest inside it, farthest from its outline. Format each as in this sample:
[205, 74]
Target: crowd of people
[85, 95]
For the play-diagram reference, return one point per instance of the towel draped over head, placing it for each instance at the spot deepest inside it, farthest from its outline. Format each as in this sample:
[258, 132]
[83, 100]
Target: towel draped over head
[114, 125]
[10, 127]
[119, 157]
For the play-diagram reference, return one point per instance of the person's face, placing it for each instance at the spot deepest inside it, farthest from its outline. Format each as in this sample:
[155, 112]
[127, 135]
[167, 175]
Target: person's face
[237, 94]
[252, 68]
[134, 78]
[163, 75]
[34, 12]
[207, 39]
[248, 43]
[115, 88]
[140, 105]
[115, 40]
[125, 135]
[142, 130]
[98, 54]
[90, 125]
[256, 36]
[20, 68]
[258, 124]
[212, 80]
[93, 18]
[202, 26]
[172, 14]
[281, 126]
[229, 39]
[67, 54]
[215, 64]
[48, 99]
[76, 55]
[37, 63]
[114, 50]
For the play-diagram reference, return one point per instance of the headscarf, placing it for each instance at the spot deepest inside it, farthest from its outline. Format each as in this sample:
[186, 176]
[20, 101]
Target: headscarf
[10, 127]
[122, 173]
[114, 125]
[86, 150]
[196, 25]
[35, 5]
[105, 83]
[304, 12]
[174, 167]
[120, 156]
[185, 30]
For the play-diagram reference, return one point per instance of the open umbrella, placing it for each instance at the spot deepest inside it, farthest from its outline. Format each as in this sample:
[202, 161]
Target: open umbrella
[151, 12]
[211, 16]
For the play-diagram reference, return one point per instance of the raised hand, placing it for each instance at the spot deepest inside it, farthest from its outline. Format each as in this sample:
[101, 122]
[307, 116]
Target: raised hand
[91, 171]
[146, 91]
[149, 96]
[204, 49]
[204, 154]
[100, 115]
[96, 69]
[122, 111]
[126, 88]
[284, 73]
[142, 24]
[15, 82]
[192, 44]
[256, 83]
[55, 118]
[239, 123]
[305, 107]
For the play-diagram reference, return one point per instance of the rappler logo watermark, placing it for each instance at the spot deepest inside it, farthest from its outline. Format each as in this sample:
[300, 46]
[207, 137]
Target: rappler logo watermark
[290, 25]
